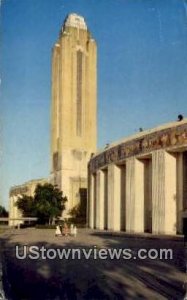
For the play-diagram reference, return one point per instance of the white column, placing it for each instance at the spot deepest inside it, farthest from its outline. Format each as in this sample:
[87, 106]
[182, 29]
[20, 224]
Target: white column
[134, 195]
[15, 210]
[97, 200]
[94, 200]
[179, 202]
[105, 199]
[11, 210]
[123, 197]
[114, 197]
[100, 200]
[171, 194]
[164, 193]
[91, 201]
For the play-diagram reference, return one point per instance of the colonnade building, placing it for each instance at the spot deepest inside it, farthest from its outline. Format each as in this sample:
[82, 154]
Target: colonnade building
[140, 184]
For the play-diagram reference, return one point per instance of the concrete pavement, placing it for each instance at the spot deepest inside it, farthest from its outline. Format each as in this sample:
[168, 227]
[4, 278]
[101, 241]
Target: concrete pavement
[49, 279]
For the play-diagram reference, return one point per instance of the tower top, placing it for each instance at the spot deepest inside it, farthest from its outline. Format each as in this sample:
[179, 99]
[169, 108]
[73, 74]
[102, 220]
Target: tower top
[74, 20]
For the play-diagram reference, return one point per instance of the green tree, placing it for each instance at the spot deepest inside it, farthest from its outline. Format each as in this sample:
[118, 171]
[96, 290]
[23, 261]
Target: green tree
[78, 212]
[26, 206]
[3, 212]
[48, 203]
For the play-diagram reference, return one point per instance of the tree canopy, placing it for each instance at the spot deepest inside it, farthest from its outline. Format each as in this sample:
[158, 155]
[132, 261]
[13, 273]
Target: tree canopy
[3, 212]
[26, 205]
[47, 203]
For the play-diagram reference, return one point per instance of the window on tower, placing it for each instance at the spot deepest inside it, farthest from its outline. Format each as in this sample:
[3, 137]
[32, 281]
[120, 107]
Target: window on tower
[79, 93]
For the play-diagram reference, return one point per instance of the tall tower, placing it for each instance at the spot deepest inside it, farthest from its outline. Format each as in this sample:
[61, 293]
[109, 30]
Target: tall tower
[74, 108]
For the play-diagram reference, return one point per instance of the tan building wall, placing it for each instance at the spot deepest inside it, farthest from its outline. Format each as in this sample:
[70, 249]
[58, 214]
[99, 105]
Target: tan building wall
[28, 188]
[74, 89]
[140, 183]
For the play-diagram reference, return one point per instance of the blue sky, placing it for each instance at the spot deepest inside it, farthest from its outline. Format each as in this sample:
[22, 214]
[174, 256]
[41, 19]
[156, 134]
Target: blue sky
[142, 73]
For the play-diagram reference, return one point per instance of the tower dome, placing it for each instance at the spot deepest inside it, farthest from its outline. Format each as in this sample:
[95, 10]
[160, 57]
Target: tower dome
[74, 20]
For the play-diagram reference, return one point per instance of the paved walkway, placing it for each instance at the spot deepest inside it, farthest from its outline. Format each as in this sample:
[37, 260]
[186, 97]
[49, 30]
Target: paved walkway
[55, 279]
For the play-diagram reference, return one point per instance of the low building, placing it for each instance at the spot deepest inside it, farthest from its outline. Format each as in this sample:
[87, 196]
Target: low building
[140, 183]
[28, 188]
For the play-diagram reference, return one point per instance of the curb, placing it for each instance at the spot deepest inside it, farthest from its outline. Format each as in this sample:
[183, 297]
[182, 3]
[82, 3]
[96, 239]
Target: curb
[138, 236]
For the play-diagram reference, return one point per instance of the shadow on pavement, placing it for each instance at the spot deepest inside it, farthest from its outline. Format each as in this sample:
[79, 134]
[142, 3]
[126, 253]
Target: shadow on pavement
[94, 279]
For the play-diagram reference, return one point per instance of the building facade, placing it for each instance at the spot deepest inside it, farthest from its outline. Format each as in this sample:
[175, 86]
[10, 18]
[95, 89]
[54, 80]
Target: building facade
[74, 89]
[27, 188]
[140, 184]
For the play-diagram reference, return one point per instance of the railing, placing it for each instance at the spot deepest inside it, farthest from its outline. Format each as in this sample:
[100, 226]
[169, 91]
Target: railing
[5, 221]
[18, 219]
